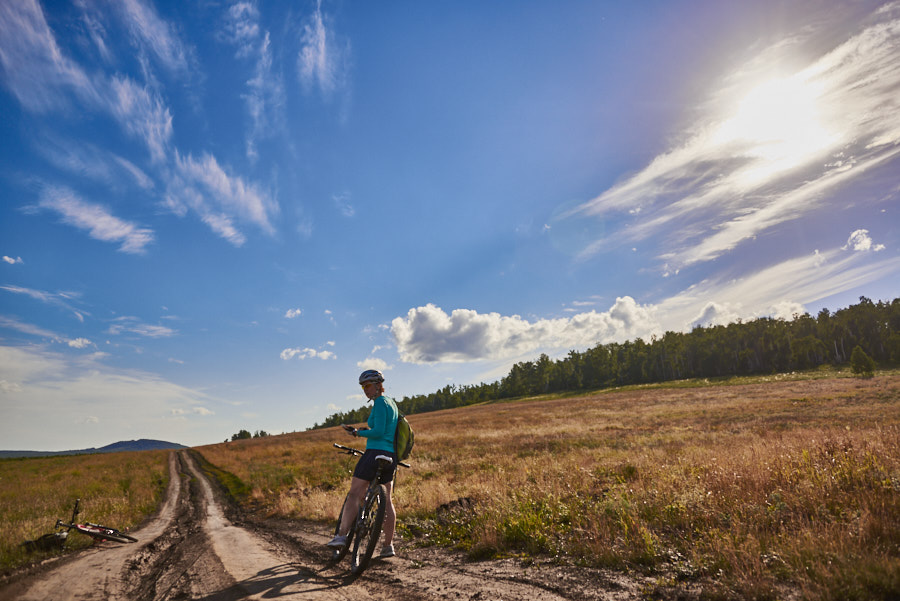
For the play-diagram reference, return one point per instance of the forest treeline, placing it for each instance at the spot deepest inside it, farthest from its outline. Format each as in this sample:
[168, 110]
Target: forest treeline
[764, 345]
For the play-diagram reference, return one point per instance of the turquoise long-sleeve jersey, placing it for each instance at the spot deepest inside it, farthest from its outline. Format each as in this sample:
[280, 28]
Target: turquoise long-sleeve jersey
[382, 424]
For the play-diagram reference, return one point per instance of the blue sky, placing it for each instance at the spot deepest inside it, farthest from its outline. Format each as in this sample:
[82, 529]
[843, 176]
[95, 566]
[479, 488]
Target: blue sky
[215, 214]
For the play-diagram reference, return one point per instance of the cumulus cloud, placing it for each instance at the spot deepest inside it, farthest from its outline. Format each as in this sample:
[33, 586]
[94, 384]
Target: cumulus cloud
[11, 261]
[99, 223]
[80, 343]
[715, 314]
[429, 335]
[373, 363]
[292, 313]
[306, 353]
[860, 241]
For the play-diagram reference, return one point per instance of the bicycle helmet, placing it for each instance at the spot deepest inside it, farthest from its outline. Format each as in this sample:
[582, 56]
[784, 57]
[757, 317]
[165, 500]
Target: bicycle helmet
[370, 375]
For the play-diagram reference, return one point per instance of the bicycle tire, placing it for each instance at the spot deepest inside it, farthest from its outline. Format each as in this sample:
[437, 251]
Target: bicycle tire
[369, 531]
[103, 533]
[339, 554]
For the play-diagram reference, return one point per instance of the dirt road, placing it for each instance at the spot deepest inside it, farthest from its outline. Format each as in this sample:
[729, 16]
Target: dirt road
[193, 550]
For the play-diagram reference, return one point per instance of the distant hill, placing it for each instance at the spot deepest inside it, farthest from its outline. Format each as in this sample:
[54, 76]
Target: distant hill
[116, 447]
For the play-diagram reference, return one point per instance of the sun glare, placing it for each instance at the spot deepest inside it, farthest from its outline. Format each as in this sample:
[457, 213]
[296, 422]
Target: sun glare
[778, 122]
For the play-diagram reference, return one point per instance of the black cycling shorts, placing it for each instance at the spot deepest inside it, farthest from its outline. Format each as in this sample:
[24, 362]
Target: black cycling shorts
[366, 466]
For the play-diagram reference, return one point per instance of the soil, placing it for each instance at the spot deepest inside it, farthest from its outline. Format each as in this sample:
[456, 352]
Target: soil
[200, 547]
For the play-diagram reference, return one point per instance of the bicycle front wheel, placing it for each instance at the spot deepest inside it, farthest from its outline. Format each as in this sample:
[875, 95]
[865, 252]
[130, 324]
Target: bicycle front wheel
[368, 530]
[338, 554]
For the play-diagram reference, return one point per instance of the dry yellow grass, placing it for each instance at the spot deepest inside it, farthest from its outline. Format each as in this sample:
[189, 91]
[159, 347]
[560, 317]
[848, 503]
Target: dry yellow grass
[116, 489]
[746, 488]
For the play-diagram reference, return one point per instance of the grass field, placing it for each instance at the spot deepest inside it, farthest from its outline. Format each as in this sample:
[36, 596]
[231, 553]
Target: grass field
[116, 489]
[742, 489]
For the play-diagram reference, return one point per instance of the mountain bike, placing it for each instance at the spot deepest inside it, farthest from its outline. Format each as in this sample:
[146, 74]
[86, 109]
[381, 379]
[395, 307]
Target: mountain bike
[366, 528]
[95, 531]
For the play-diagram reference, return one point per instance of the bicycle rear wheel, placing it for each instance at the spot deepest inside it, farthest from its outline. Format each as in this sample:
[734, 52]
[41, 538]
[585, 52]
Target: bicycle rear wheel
[369, 530]
[339, 554]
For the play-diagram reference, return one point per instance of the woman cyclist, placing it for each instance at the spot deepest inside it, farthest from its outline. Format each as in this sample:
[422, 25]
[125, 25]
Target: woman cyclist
[379, 435]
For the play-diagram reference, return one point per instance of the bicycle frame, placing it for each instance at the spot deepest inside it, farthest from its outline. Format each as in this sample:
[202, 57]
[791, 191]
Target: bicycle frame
[95, 531]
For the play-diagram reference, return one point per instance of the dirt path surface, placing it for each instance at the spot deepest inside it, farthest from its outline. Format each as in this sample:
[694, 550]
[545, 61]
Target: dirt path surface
[197, 548]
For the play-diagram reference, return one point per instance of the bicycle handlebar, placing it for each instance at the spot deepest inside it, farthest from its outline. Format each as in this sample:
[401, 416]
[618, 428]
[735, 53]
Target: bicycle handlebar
[352, 451]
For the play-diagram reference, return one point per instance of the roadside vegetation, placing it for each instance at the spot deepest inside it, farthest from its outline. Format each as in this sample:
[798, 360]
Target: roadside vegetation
[744, 488]
[116, 489]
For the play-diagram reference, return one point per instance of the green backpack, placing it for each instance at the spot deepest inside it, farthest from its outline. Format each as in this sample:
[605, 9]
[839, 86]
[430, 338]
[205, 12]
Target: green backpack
[404, 438]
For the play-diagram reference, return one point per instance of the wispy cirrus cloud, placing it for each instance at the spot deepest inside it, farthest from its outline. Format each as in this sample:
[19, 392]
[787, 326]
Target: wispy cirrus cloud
[96, 220]
[323, 58]
[142, 114]
[133, 325]
[154, 36]
[219, 198]
[264, 95]
[63, 300]
[43, 78]
[774, 146]
[36, 70]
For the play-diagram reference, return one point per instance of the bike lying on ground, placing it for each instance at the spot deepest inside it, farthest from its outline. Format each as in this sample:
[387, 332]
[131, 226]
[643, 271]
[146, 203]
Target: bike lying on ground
[366, 528]
[57, 540]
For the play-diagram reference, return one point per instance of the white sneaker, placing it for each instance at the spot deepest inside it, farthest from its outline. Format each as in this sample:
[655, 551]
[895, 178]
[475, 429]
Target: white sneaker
[337, 542]
[387, 551]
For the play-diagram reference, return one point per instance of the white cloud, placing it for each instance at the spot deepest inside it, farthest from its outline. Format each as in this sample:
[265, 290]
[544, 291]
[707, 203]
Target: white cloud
[59, 299]
[767, 151]
[133, 325]
[36, 70]
[306, 353]
[218, 197]
[292, 313]
[860, 240]
[321, 61]
[153, 35]
[80, 343]
[141, 114]
[779, 290]
[342, 202]
[373, 363]
[715, 314]
[264, 96]
[428, 335]
[99, 223]
[11, 261]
